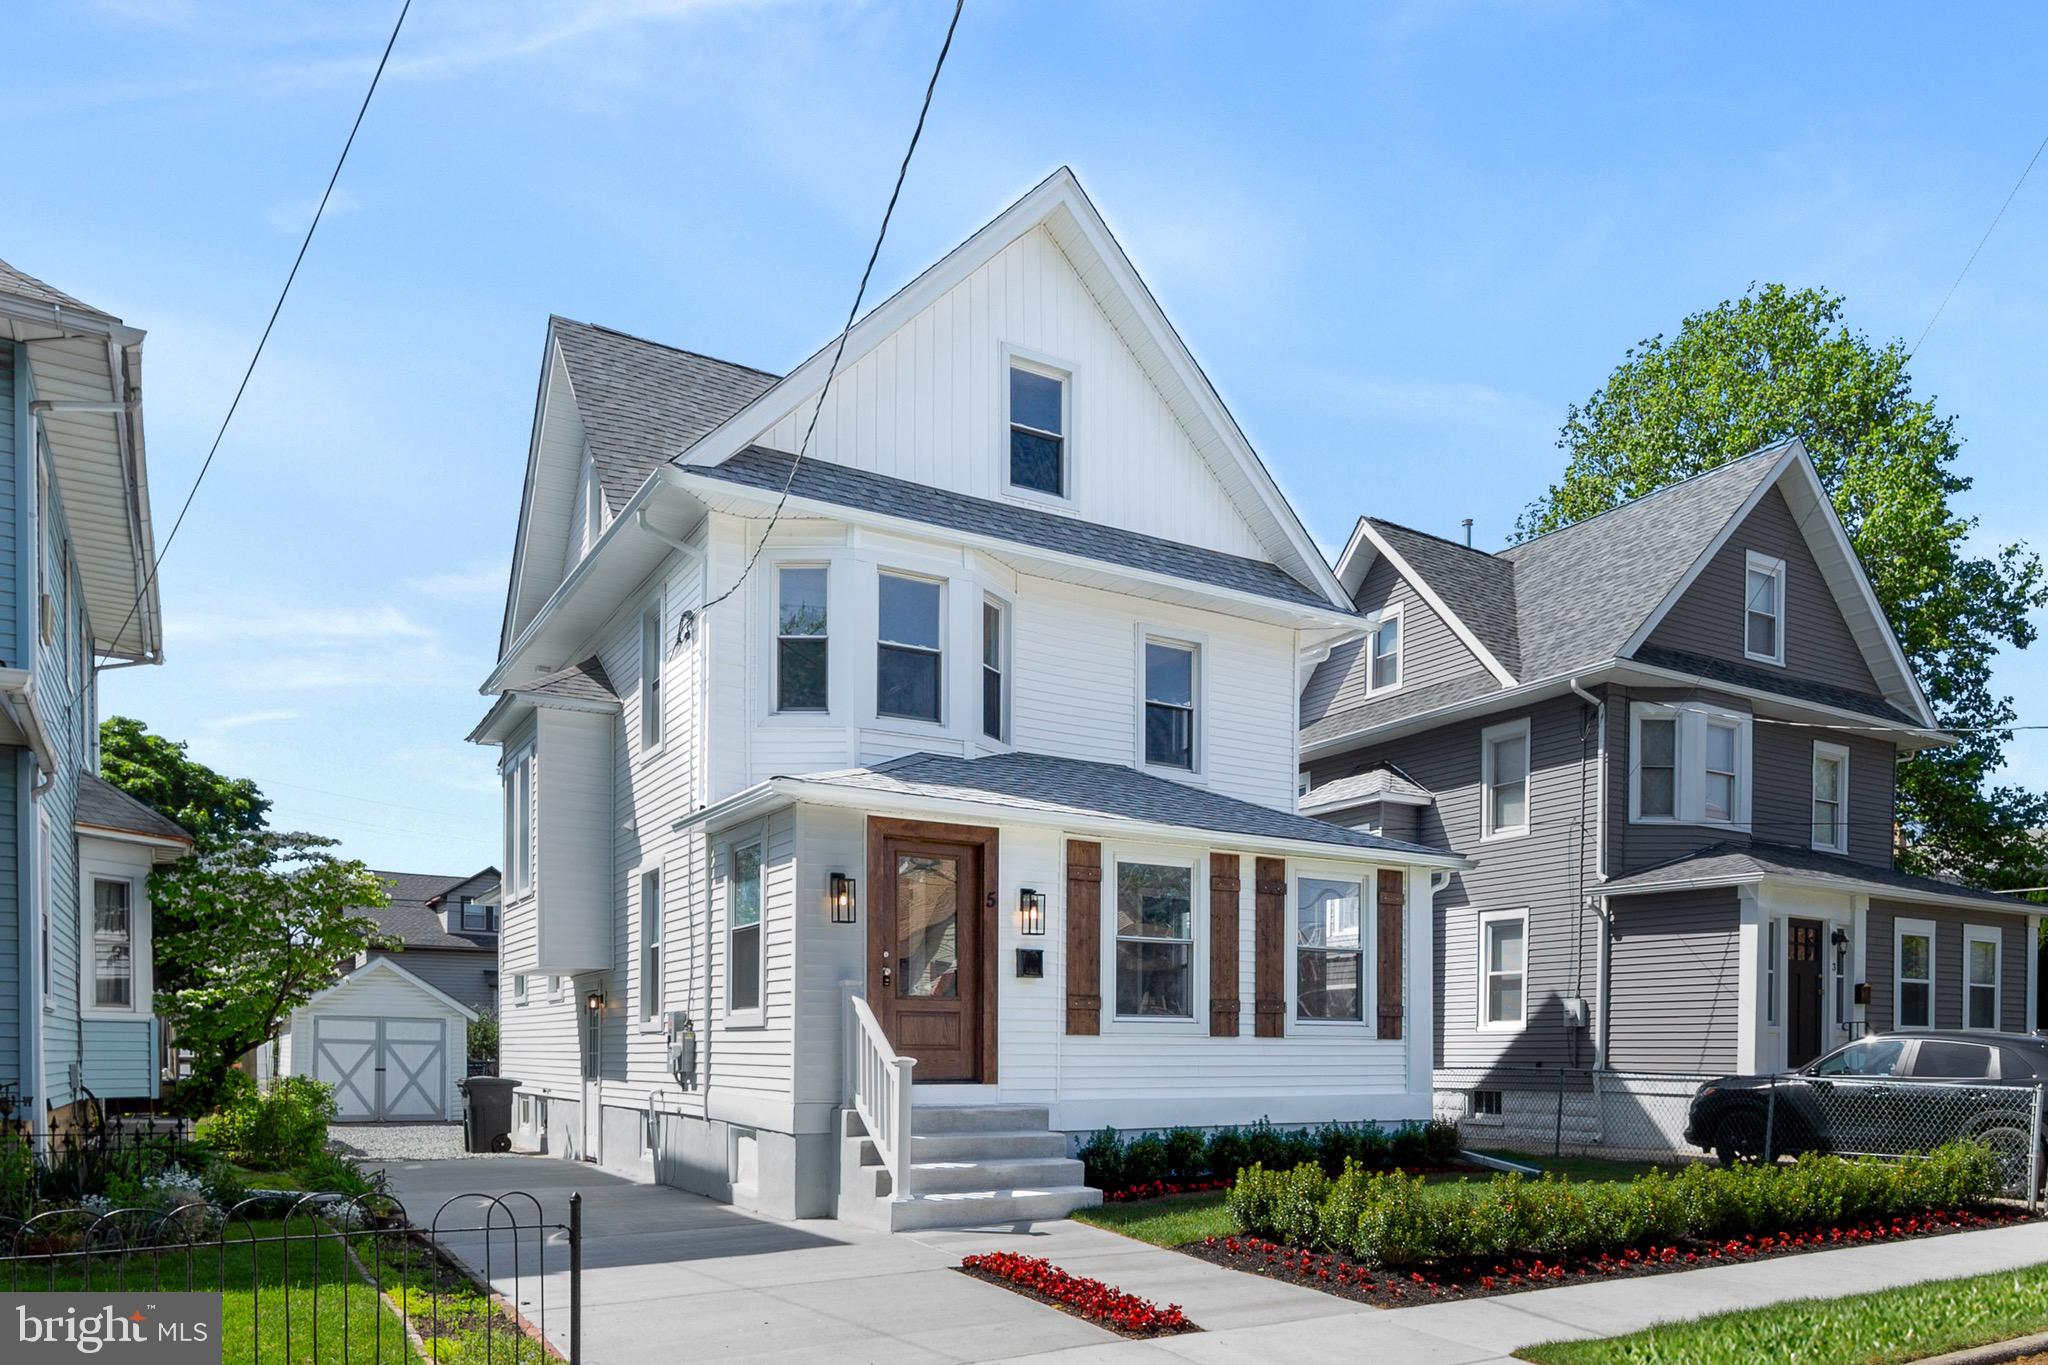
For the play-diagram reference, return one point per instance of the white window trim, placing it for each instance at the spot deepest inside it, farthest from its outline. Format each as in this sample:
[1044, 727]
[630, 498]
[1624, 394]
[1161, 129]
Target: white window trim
[1900, 929]
[1690, 778]
[1488, 918]
[141, 943]
[1052, 368]
[944, 652]
[652, 711]
[558, 986]
[519, 878]
[648, 1005]
[1754, 562]
[1985, 933]
[1199, 643]
[772, 669]
[1839, 754]
[757, 1015]
[1774, 968]
[1006, 646]
[1197, 1019]
[1390, 612]
[1367, 880]
[519, 995]
[595, 514]
[1487, 738]
[1301, 783]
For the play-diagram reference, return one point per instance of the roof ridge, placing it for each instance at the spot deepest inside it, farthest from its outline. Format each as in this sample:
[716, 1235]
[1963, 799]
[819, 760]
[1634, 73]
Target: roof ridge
[663, 345]
[1431, 535]
[1780, 448]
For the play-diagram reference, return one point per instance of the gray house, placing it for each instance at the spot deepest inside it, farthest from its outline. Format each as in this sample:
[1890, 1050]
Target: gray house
[1666, 736]
[447, 928]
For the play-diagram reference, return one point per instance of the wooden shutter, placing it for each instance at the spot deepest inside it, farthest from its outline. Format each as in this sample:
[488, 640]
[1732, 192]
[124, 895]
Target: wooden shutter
[1393, 900]
[1269, 941]
[1223, 922]
[1084, 936]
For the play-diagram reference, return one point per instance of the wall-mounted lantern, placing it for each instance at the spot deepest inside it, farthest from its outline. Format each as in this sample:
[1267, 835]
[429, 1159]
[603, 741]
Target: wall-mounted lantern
[839, 898]
[1030, 912]
[594, 1002]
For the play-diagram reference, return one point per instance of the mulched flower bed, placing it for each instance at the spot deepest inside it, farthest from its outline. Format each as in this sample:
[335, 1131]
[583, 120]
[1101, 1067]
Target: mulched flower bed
[1397, 1287]
[1162, 1189]
[1127, 1315]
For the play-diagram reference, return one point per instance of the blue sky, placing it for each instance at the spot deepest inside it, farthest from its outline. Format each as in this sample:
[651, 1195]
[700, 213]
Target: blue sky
[1401, 239]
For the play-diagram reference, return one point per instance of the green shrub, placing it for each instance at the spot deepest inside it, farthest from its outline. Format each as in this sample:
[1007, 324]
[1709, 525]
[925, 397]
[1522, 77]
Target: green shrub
[275, 1131]
[1145, 1161]
[1102, 1160]
[1386, 1217]
[1186, 1154]
[1227, 1153]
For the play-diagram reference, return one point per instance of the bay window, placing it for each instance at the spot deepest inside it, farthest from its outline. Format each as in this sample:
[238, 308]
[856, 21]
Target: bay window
[743, 931]
[994, 651]
[908, 655]
[1691, 764]
[113, 944]
[1155, 940]
[519, 824]
[800, 638]
[1329, 950]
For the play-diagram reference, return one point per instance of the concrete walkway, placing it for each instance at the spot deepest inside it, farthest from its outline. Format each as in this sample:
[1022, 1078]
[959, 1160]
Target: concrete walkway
[692, 1279]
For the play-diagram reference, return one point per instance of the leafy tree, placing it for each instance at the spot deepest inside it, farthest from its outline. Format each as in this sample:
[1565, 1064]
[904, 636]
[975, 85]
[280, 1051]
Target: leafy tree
[270, 917]
[1778, 363]
[160, 773]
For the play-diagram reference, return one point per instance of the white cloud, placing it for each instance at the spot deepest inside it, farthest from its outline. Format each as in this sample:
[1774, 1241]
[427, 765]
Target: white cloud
[218, 726]
[484, 581]
[291, 216]
[312, 627]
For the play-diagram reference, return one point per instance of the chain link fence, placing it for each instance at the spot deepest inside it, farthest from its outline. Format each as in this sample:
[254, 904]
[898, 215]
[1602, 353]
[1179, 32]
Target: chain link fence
[1654, 1116]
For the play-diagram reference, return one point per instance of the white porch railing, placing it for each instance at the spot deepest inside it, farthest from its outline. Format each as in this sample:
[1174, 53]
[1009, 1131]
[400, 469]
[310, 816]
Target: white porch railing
[881, 1094]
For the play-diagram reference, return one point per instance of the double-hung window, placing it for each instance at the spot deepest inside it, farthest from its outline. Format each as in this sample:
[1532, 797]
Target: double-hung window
[519, 825]
[1503, 936]
[1690, 764]
[994, 667]
[1170, 704]
[1329, 950]
[650, 945]
[1504, 779]
[519, 988]
[743, 935]
[801, 642]
[1155, 940]
[1981, 964]
[908, 662]
[475, 916]
[113, 944]
[1384, 647]
[1913, 972]
[650, 676]
[1830, 797]
[1763, 609]
[1773, 930]
[1038, 430]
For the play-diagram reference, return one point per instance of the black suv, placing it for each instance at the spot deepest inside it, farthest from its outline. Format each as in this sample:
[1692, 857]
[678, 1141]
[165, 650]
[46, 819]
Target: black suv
[1886, 1094]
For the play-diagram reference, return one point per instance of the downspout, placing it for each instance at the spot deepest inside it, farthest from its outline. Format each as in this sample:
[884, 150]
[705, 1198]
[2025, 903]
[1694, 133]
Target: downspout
[1600, 907]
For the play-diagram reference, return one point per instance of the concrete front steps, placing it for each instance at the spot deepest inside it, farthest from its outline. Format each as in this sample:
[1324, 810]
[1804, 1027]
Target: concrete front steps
[970, 1164]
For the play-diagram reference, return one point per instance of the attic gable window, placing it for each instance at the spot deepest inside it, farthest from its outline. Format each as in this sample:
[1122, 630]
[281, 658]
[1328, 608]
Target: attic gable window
[1763, 610]
[1038, 429]
[1385, 650]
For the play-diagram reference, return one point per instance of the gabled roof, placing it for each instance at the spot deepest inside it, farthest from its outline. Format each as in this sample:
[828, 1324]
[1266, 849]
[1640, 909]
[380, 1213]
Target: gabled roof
[412, 919]
[843, 486]
[387, 966]
[1384, 783]
[104, 807]
[1478, 589]
[1737, 864]
[23, 285]
[585, 681]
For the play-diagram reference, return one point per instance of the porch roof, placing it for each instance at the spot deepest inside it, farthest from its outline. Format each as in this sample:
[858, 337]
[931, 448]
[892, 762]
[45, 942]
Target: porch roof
[1730, 864]
[1069, 792]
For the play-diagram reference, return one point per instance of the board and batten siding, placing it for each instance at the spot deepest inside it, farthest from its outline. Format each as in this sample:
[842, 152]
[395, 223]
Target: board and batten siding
[1708, 618]
[1948, 962]
[1538, 872]
[928, 403]
[1431, 651]
[1673, 976]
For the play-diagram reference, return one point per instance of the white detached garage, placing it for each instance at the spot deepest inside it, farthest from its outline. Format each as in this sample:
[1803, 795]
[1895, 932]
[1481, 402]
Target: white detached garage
[392, 1046]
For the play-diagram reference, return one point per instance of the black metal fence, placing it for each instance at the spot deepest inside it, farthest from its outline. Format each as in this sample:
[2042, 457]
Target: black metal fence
[41, 1167]
[325, 1279]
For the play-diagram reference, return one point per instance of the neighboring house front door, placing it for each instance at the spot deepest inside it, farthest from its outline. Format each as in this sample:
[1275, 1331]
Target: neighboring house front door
[931, 945]
[1803, 991]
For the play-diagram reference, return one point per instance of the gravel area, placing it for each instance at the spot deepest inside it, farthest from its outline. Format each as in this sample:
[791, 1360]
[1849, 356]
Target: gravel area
[398, 1141]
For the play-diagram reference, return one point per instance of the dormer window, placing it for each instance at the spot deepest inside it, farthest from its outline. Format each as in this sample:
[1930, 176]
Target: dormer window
[476, 917]
[1763, 614]
[1038, 429]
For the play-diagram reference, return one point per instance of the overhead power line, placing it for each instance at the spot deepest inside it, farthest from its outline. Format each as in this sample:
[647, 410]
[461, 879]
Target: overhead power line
[1995, 218]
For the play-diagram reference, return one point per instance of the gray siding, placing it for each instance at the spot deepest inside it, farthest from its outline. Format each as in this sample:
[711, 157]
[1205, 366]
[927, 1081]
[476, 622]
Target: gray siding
[13, 777]
[1430, 651]
[1673, 969]
[1393, 819]
[1708, 618]
[1538, 872]
[1948, 962]
[458, 974]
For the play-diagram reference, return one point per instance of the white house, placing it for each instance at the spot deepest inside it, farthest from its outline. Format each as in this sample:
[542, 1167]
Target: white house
[876, 823]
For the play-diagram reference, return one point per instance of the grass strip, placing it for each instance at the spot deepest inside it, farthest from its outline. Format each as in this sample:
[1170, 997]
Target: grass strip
[1867, 1329]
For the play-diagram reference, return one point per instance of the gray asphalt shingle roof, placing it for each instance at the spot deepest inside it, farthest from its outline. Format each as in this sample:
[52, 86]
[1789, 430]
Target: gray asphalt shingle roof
[1479, 588]
[858, 488]
[1785, 684]
[585, 681]
[26, 286]
[103, 805]
[1374, 784]
[414, 923]
[1739, 862]
[1072, 786]
[643, 403]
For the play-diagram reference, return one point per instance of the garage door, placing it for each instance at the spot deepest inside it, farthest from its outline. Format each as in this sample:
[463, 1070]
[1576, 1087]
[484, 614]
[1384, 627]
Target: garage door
[382, 1070]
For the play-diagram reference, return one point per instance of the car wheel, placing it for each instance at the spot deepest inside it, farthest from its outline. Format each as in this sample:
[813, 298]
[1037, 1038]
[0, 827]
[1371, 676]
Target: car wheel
[1740, 1138]
[2009, 1147]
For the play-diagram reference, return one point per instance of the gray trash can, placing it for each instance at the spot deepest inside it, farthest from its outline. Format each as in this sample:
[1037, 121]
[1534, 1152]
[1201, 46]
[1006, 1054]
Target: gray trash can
[487, 1112]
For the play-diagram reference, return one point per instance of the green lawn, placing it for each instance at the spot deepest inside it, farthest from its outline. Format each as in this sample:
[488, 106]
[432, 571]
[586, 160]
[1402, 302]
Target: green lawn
[1869, 1329]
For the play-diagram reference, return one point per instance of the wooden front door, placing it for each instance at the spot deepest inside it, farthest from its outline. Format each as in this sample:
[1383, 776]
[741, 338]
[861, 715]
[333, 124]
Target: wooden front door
[1804, 996]
[932, 944]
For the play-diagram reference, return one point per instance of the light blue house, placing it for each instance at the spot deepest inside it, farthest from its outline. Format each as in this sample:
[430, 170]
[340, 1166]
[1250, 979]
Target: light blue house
[75, 589]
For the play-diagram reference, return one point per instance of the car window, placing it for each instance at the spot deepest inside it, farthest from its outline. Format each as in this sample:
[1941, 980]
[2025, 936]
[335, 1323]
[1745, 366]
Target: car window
[2014, 1064]
[1873, 1057]
[1952, 1061]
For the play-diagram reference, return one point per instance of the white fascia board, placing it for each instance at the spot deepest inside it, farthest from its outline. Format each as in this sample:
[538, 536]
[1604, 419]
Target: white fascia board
[549, 358]
[18, 698]
[1907, 736]
[386, 964]
[1450, 618]
[779, 791]
[1356, 561]
[1270, 610]
[1311, 806]
[1843, 886]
